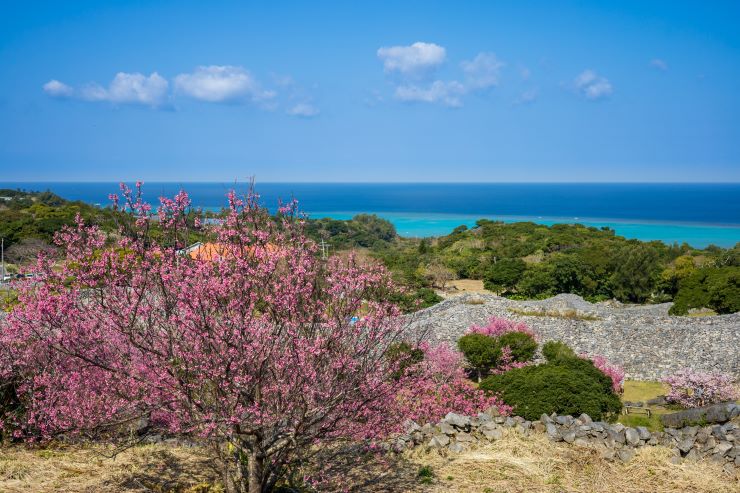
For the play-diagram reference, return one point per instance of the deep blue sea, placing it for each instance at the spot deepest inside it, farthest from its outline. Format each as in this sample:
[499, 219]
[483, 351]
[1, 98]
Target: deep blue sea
[699, 214]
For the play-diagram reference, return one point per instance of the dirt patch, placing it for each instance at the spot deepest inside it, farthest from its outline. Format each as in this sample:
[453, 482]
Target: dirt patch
[460, 286]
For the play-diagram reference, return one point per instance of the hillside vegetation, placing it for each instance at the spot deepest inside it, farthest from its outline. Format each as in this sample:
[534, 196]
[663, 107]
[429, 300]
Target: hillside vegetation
[520, 260]
[528, 260]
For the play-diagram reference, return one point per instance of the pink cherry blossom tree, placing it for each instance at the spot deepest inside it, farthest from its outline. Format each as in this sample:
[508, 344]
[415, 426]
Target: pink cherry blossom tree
[691, 388]
[263, 347]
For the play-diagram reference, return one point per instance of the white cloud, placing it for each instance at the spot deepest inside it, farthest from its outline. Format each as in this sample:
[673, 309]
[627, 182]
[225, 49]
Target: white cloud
[482, 71]
[447, 93]
[592, 85]
[412, 60]
[305, 110]
[214, 83]
[221, 84]
[125, 88]
[57, 89]
[659, 64]
[414, 66]
[132, 88]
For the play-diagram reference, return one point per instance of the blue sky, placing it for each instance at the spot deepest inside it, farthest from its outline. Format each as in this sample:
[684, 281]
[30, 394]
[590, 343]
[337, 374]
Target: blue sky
[371, 91]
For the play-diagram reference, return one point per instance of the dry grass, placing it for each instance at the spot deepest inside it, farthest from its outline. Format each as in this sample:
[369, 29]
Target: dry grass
[566, 314]
[702, 313]
[513, 464]
[468, 286]
[149, 468]
[534, 464]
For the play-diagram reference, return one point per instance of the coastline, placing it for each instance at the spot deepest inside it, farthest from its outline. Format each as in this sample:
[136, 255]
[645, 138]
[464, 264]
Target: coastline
[420, 224]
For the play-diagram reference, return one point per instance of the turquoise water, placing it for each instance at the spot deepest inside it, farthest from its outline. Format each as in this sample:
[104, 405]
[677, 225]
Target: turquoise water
[423, 225]
[696, 213]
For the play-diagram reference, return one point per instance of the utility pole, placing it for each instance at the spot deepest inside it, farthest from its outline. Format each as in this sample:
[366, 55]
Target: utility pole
[2, 254]
[324, 249]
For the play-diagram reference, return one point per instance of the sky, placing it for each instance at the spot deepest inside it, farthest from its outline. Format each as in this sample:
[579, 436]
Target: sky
[525, 91]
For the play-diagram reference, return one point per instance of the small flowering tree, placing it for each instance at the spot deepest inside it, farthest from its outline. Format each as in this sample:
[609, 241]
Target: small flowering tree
[263, 347]
[690, 388]
[498, 346]
[438, 385]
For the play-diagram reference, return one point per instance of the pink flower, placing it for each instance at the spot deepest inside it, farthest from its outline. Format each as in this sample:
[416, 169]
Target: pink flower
[497, 326]
[690, 388]
[616, 373]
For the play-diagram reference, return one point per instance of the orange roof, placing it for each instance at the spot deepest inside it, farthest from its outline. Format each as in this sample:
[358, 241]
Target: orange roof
[209, 251]
[206, 251]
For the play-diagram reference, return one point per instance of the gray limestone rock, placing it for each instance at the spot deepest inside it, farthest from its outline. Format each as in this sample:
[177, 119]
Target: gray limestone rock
[458, 421]
[446, 428]
[632, 437]
[722, 448]
[552, 432]
[456, 448]
[644, 433]
[625, 454]
[439, 441]
[493, 434]
[685, 445]
[718, 413]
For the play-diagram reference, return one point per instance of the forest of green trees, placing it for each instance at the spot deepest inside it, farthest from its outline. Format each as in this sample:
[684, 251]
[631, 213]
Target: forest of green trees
[528, 260]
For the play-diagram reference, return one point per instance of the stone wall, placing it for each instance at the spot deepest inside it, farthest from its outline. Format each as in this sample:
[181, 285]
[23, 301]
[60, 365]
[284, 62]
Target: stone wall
[644, 340]
[719, 443]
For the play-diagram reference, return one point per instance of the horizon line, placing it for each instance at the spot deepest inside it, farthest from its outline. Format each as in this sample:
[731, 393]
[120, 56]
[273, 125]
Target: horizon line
[270, 182]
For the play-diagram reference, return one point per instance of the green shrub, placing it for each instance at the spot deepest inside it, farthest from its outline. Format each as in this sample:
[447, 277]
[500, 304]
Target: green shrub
[410, 301]
[523, 346]
[405, 355]
[481, 351]
[563, 386]
[554, 350]
[425, 475]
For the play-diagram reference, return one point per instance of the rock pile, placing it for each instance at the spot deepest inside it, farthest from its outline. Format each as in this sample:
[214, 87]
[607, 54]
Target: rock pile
[647, 342]
[455, 433]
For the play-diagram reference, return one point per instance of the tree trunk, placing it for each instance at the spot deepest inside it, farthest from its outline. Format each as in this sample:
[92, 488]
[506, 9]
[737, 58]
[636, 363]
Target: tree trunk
[255, 469]
[235, 478]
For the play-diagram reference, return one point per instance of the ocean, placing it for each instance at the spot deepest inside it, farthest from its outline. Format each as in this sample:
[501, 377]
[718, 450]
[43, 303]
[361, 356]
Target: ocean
[698, 214]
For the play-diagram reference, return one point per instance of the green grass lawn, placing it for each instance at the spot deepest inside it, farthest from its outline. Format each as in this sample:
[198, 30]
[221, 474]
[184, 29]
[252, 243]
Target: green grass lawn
[638, 391]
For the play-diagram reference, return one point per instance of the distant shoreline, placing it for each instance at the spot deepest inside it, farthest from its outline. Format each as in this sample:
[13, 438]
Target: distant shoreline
[699, 214]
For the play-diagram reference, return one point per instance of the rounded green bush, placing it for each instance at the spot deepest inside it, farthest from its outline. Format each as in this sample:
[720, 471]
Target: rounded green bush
[563, 386]
[481, 351]
[553, 350]
[523, 346]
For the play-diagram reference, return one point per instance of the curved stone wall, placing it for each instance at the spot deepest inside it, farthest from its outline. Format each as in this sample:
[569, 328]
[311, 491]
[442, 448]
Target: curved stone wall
[644, 340]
